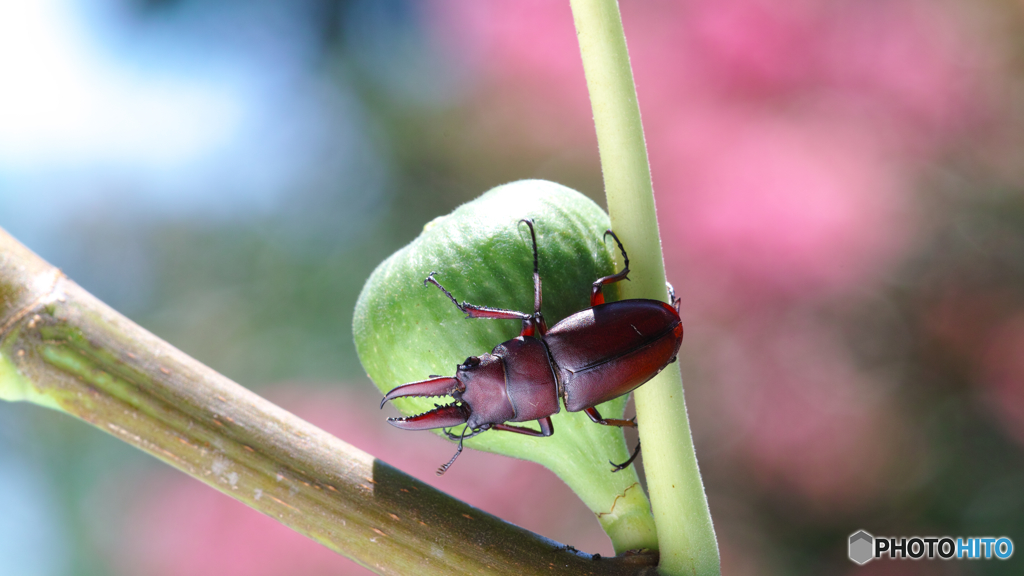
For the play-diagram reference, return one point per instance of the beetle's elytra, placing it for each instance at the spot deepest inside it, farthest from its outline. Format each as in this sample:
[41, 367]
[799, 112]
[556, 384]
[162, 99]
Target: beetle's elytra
[590, 357]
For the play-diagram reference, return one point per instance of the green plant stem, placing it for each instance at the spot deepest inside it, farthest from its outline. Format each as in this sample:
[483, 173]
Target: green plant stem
[686, 537]
[63, 349]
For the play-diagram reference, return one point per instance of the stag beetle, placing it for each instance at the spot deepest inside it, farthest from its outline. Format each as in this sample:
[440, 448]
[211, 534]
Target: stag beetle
[588, 358]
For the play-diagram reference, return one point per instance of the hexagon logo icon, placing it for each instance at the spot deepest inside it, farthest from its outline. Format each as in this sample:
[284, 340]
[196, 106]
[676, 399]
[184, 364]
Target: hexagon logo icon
[861, 546]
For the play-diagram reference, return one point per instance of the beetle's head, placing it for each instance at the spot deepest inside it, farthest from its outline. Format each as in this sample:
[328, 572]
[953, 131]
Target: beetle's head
[478, 388]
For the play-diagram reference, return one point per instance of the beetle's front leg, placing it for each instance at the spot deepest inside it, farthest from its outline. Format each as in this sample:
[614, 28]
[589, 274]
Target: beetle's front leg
[547, 428]
[595, 416]
[474, 311]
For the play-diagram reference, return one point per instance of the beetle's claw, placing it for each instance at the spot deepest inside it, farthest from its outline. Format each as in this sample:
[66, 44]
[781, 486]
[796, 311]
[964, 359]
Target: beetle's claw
[440, 417]
[434, 387]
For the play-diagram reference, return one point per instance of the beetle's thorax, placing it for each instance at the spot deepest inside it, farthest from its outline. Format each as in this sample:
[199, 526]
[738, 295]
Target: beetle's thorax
[514, 383]
[529, 378]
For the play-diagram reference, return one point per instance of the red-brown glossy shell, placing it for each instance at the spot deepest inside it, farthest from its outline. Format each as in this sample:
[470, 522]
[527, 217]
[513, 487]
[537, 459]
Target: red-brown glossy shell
[606, 351]
[529, 380]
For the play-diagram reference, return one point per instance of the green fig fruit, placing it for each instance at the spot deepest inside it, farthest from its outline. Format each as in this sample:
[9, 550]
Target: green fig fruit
[407, 331]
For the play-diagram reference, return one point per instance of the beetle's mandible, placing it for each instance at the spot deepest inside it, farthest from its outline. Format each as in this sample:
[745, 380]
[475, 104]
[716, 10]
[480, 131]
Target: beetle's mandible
[590, 357]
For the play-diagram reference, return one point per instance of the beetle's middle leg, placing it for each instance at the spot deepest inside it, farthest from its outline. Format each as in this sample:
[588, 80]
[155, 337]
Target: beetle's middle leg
[536, 268]
[596, 295]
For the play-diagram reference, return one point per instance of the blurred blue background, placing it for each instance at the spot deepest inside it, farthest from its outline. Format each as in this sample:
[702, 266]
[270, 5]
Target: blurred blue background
[841, 200]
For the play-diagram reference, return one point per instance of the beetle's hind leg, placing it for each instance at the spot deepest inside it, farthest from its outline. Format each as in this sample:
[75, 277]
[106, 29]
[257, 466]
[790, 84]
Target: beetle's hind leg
[617, 467]
[595, 417]
[596, 294]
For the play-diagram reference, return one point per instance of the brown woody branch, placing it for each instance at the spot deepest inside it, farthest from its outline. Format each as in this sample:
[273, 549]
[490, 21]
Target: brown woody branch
[62, 348]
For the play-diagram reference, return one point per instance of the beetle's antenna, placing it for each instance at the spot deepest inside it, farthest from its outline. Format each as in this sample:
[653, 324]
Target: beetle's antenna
[536, 268]
[444, 468]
